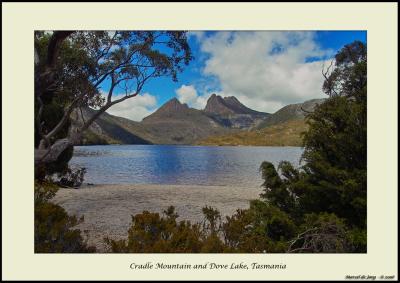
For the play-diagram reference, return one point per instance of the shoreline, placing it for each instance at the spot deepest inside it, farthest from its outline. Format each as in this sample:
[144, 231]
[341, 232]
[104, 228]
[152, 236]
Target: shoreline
[107, 208]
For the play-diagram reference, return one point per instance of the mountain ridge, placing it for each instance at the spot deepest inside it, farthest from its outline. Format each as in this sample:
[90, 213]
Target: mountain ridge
[177, 123]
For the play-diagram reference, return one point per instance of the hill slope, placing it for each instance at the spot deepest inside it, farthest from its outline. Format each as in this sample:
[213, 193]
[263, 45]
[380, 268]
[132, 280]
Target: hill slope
[109, 129]
[284, 134]
[290, 112]
[282, 128]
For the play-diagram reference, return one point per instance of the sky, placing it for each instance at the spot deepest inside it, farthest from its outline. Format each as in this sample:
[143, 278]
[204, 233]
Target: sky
[265, 70]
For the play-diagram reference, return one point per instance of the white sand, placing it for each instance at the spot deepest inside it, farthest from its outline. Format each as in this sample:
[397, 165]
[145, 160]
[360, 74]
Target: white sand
[107, 209]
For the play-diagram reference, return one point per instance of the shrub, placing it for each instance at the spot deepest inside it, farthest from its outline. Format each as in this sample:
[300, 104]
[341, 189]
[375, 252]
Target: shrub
[54, 231]
[261, 228]
[322, 233]
[152, 233]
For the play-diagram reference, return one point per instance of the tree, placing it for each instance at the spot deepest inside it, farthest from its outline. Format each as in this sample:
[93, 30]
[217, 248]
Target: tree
[71, 66]
[336, 143]
[333, 178]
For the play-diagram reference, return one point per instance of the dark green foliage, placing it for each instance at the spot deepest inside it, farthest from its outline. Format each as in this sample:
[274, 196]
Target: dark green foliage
[152, 233]
[329, 192]
[336, 144]
[358, 239]
[54, 228]
[52, 113]
[71, 73]
[213, 244]
[335, 152]
[261, 228]
[54, 231]
[212, 219]
[44, 192]
[276, 190]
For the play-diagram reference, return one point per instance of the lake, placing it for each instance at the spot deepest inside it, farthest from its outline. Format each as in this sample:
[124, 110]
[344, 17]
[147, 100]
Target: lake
[179, 165]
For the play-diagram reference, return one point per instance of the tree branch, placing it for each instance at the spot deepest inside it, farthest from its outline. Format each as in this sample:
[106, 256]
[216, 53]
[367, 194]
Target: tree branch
[54, 46]
[325, 75]
[63, 120]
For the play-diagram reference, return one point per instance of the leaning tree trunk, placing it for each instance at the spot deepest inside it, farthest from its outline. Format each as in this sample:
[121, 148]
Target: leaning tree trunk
[51, 154]
[47, 154]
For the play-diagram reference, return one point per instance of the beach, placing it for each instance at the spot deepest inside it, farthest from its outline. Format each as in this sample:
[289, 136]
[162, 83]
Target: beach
[107, 209]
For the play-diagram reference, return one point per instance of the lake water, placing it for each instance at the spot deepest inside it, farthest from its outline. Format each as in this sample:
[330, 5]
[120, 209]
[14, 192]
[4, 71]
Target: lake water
[179, 165]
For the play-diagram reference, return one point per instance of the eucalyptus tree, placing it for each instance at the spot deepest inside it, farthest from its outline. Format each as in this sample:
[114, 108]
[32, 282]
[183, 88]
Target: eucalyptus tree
[75, 69]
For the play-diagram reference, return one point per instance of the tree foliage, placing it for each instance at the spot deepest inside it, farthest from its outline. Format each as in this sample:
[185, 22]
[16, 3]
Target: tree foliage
[333, 178]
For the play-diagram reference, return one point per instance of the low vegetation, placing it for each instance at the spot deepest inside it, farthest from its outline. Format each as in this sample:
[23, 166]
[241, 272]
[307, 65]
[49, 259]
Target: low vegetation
[55, 230]
[283, 134]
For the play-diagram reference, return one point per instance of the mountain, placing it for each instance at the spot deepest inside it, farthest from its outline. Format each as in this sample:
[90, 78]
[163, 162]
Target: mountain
[109, 129]
[228, 105]
[222, 119]
[176, 123]
[282, 128]
[229, 112]
[173, 108]
[290, 112]
[172, 123]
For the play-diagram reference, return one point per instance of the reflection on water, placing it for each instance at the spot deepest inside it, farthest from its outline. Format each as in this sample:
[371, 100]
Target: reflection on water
[186, 165]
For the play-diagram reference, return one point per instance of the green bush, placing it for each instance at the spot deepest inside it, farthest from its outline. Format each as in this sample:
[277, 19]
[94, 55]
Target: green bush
[152, 233]
[54, 228]
[261, 228]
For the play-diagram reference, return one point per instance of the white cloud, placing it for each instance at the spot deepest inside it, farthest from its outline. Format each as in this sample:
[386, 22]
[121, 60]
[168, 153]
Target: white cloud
[135, 108]
[265, 70]
[188, 94]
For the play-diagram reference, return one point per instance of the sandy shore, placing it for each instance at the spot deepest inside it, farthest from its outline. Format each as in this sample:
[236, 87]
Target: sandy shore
[108, 208]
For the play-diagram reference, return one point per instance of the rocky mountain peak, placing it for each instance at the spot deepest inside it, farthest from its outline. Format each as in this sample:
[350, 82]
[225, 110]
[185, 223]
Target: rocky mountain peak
[217, 105]
[232, 99]
[172, 107]
[228, 105]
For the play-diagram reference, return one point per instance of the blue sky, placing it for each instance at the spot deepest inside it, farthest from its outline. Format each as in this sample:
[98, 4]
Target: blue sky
[265, 70]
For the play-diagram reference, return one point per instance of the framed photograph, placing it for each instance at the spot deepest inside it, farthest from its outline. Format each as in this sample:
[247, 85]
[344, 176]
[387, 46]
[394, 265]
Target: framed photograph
[212, 141]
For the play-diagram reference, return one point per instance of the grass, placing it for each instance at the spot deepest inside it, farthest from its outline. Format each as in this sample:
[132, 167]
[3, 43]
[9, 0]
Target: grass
[283, 134]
